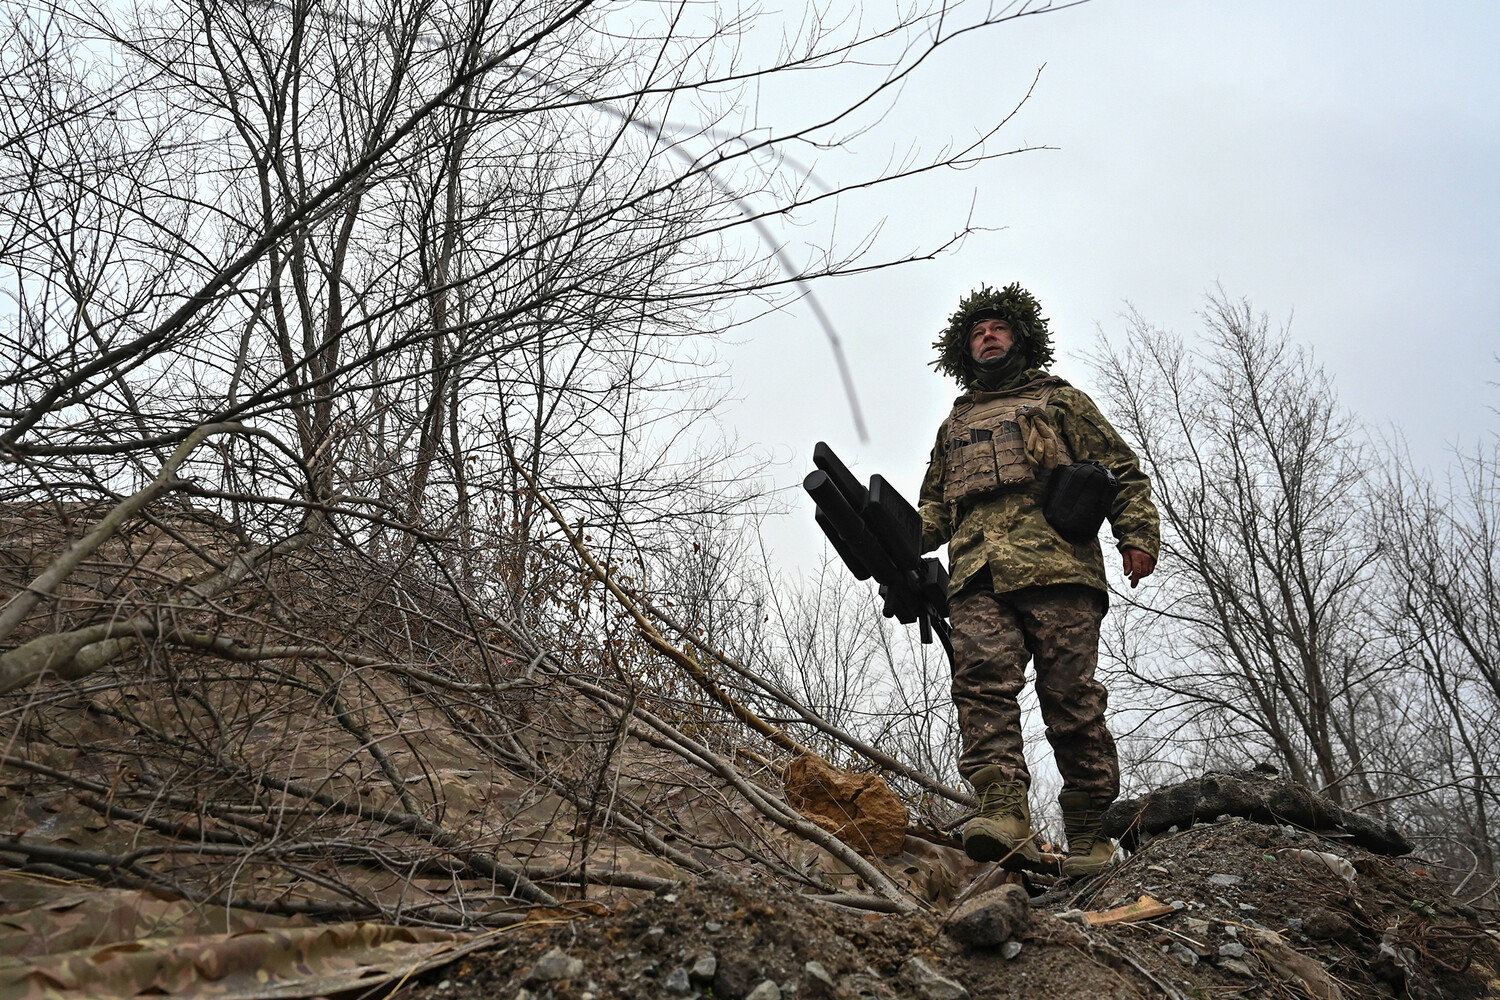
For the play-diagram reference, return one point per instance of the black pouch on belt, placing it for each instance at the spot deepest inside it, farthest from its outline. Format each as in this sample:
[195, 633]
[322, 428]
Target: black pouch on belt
[1078, 499]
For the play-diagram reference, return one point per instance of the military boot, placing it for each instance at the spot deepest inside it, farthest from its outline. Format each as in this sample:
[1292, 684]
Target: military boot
[1003, 826]
[1089, 850]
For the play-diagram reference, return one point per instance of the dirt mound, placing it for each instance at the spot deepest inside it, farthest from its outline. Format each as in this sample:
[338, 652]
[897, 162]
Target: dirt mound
[340, 757]
[1379, 926]
[1255, 910]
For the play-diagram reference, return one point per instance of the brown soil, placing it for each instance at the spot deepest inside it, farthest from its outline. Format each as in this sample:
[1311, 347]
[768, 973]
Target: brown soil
[1396, 931]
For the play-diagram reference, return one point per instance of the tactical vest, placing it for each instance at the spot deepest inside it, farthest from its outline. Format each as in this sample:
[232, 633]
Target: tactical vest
[985, 450]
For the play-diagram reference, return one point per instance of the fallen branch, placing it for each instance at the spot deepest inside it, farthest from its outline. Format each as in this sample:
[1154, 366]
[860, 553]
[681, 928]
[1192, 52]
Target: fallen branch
[811, 718]
[1144, 908]
[855, 901]
[653, 637]
[777, 812]
[82, 651]
[1291, 966]
[110, 870]
[46, 582]
[523, 764]
[510, 878]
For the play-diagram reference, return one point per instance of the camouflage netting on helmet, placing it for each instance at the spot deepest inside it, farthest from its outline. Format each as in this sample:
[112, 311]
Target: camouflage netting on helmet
[1016, 306]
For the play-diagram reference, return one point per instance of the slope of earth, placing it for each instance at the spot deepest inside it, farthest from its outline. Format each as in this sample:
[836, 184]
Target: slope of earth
[329, 777]
[1252, 911]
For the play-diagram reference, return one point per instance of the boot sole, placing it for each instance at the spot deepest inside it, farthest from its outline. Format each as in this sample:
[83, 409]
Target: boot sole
[987, 848]
[1082, 871]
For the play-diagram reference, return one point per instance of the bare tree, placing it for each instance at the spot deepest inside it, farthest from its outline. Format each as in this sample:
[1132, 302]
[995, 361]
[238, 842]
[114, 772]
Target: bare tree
[351, 421]
[1443, 564]
[1267, 556]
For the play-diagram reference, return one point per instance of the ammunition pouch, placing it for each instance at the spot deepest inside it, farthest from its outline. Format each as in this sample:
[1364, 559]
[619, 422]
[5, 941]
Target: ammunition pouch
[1078, 498]
[993, 440]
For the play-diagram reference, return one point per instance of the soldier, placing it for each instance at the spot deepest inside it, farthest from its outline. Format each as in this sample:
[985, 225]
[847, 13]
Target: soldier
[1018, 590]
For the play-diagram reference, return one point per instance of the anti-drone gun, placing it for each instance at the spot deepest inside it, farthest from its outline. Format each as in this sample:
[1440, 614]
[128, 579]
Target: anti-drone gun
[878, 534]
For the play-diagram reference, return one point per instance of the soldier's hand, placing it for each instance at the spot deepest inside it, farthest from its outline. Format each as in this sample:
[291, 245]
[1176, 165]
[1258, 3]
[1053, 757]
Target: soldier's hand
[1138, 565]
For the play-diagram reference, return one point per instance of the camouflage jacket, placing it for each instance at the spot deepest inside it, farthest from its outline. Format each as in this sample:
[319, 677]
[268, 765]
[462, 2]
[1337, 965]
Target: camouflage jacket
[1006, 530]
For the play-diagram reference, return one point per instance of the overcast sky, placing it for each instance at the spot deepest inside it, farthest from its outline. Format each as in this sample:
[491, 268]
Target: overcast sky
[1334, 162]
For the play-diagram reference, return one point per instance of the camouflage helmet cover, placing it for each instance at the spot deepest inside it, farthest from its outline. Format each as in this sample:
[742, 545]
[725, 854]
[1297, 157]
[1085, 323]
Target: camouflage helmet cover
[1016, 306]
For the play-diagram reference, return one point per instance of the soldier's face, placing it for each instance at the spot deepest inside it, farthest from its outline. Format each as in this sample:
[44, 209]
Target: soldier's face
[990, 338]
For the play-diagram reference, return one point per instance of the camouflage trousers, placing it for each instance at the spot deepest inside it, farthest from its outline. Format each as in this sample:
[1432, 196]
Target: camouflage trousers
[994, 635]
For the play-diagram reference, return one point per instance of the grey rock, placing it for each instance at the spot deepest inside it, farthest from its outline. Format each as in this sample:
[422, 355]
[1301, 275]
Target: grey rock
[1236, 966]
[1195, 925]
[820, 983]
[713, 927]
[1231, 949]
[1294, 924]
[1182, 953]
[858, 986]
[766, 990]
[1226, 880]
[991, 918]
[677, 981]
[1248, 908]
[654, 936]
[703, 969]
[930, 984]
[1074, 917]
[556, 964]
[525, 994]
[1010, 949]
[1231, 930]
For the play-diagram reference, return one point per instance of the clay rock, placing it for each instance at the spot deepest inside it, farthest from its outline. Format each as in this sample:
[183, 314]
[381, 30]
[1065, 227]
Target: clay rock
[991, 918]
[767, 990]
[931, 984]
[556, 964]
[1326, 925]
[819, 982]
[859, 809]
[1255, 795]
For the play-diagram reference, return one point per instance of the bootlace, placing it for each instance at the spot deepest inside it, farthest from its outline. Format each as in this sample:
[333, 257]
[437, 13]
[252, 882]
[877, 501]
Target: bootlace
[1002, 798]
[1083, 830]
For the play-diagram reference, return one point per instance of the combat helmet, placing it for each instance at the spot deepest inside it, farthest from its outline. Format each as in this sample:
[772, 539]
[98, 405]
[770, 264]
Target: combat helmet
[1016, 306]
